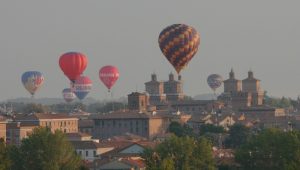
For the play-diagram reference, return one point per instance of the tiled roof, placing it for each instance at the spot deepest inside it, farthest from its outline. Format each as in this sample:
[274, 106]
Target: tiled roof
[134, 162]
[131, 162]
[131, 115]
[89, 145]
[78, 135]
[40, 116]
[121, 115]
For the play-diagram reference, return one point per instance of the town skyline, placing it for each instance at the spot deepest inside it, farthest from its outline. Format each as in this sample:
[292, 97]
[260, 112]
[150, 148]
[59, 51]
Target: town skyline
[263, 38]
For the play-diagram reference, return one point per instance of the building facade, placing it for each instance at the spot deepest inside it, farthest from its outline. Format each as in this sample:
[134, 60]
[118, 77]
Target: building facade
[155, 89]
[240, 94]
[162, 92]
[63, 122]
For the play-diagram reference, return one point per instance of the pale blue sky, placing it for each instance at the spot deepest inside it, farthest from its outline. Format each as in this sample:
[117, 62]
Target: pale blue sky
[261, 35]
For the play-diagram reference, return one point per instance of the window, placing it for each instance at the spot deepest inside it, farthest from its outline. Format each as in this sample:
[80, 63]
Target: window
[95, 154]
[86, 153]
[80, 153]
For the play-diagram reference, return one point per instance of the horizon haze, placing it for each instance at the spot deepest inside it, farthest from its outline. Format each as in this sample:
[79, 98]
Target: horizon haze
[263, 36]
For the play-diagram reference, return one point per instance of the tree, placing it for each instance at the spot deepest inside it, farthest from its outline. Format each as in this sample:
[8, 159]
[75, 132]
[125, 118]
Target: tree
[270, 149]
[111, 106]
[210, 128]
[48, 151]
[4, 157]
[238, 135]
[177, 153]
[180, 130]
[35, 108]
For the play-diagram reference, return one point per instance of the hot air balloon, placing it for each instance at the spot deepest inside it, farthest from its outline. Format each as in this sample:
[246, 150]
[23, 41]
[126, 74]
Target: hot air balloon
[82, 87]
[32, 81]
[109, 75]
[73, 64]
[179, 43]
[68, 95]
[214, 81]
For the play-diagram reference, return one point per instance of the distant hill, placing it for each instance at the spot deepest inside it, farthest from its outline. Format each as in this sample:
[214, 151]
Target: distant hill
[47, 101]
[207, 96]
[51, 101]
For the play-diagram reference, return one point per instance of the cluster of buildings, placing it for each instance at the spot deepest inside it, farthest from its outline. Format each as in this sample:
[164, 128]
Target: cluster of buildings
[116, 139]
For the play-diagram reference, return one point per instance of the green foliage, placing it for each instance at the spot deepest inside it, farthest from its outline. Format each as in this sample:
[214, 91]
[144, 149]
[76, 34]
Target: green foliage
[4, 156]
[180, 130]
[180, 153]
[270, 149]
[210, 128]
[35, 108]
[279, 102]
[67, 107]
[15, 157]
[41, 150]
[238, 135]
[111, 106]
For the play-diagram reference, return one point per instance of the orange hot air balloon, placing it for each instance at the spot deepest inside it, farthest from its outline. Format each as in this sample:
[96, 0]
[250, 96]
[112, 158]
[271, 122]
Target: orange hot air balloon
[179, 43]
[73, 64]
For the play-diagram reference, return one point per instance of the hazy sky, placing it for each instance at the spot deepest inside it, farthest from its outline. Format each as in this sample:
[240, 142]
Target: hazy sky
[263, 35]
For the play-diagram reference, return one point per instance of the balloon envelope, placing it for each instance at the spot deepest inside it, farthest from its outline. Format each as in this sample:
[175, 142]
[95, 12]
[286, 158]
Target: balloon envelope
[214, 81]
[32, 81]
[179, 43]
[82, 87]
[109, 75]
[68, 95]
[73, 64]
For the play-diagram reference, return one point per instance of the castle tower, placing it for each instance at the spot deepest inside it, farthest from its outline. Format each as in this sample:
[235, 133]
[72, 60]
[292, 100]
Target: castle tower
[173, 88]
[232, 84]
[155, 89]
[252, 85]
[138, 101]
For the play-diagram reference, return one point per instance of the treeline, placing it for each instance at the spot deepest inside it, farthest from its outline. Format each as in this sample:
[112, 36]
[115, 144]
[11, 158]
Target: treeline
[41, 150]
[67, 108]
[264, 149]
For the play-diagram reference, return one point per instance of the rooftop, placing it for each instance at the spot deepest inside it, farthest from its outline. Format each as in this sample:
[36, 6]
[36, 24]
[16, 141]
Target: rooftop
[41, 116]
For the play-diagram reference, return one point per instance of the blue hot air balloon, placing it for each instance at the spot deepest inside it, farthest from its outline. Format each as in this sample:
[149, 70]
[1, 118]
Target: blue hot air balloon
[82, 87]
[32, 81]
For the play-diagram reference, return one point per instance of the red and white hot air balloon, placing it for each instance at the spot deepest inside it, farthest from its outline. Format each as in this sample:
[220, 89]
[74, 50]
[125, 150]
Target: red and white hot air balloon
[68, 95]
[73, 64]
[109, 75]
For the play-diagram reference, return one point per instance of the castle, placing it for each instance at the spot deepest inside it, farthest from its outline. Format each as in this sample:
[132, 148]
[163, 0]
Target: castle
[162, 92]
[242, 93]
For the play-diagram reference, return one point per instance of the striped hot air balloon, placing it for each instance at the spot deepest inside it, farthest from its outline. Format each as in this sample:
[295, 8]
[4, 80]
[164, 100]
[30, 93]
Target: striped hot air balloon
[82, 87]
[214, 81]
[179, 43]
